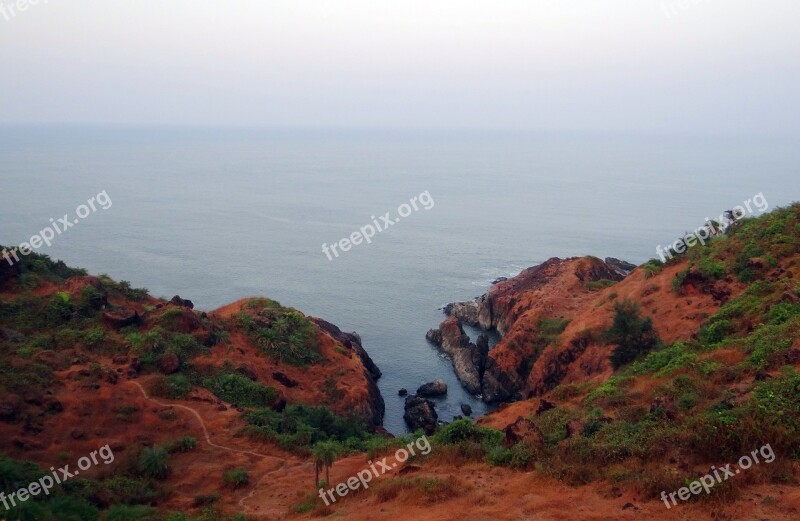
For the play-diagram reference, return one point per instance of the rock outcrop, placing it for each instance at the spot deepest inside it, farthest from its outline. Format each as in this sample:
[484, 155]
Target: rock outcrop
[468, 360]
[432, 389]
[375, 406]
[420, 413]
[536, 293]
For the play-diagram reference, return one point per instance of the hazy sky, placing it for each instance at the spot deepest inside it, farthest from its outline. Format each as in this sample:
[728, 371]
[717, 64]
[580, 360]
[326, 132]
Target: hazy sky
[714, 66]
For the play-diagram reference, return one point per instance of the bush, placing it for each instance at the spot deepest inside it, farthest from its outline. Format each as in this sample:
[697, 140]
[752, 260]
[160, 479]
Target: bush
[715, 332]
[282, 333]
[174, 386]
[153, 462]
[632, 334]
[130, 513]
[241, 391]
[236, 478]
[300, 427]
[184, 444]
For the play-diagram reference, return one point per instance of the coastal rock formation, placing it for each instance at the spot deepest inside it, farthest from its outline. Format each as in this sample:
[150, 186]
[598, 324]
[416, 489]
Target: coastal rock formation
[420, 413]
[468, 360]
[375, 407]
[432, 389]
[623, 268]
[537, 293]
[466, 312]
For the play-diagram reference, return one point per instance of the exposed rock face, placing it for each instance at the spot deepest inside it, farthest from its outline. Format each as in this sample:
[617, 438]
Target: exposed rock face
[623, 268]
[465, 312]
[432, 389]
[502, 374]
[169, 363]
[466, 409]
[178, 301]
[468, 359]
[420, 413]
[574, 428]
[122, 317]
[544, 406]
[523, 430]
[501, 306]
[375, 408]
[284, 380]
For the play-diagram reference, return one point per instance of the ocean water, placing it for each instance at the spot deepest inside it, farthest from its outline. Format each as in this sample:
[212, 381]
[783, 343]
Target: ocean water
[216, 215]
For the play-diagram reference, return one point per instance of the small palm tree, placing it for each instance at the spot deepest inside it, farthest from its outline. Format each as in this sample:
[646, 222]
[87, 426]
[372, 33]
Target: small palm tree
[325, 453]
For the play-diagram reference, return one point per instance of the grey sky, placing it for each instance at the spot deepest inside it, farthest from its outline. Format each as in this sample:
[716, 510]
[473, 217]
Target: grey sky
[714, 66]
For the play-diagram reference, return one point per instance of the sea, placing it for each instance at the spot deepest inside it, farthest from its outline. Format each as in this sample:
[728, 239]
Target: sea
[217, 214]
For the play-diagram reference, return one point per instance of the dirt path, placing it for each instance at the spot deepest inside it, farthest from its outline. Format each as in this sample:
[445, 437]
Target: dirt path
[281, 462]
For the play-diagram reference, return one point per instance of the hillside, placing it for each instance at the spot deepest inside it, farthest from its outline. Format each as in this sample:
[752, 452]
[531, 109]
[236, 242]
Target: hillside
[613, 388]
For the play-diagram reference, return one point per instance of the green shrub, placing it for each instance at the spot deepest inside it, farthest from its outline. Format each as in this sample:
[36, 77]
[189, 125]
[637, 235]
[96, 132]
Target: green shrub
[632, 335]
[94, 336]
[597, 285]
[652, 268]
[153, 462]
[241, 391]
[236, 478]
[175, 386]
[281, 333]
[130, 513]
[715, 332]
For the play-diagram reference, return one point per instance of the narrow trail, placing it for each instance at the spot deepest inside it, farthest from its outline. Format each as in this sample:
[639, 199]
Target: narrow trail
[281, 468]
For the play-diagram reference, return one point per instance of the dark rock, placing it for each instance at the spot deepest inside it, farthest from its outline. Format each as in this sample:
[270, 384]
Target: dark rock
[135, 365]
[402, 392]
[121, 317]
[466, 409]
[420, 413]
[53, 405]
[522, 431]
[622, 267]
[574, 428]
[761, 376]
[178, 301]
[111, 377]
[544, 406]
[408, 469]
[285, 380]
[664, 405]
[248, 372]
[10, 408]
[626, 506]
[432, 389]
[169, 363]
[78, 434]
[457, 417]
